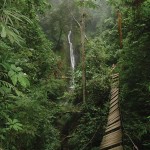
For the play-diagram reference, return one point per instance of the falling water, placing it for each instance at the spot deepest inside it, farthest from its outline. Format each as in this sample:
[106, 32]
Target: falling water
[72, 58]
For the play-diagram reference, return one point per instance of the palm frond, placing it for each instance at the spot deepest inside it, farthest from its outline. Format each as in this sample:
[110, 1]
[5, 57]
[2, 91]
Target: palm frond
[9, 18]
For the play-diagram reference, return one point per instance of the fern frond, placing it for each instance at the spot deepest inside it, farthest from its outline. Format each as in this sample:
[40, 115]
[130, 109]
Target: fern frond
[9, 85]
[3, 74]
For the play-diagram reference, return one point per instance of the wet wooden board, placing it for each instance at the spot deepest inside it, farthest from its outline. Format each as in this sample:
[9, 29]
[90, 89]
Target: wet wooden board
[114, 90]
[113, 126]
[117, 148]
[113, 109]
[112, 139]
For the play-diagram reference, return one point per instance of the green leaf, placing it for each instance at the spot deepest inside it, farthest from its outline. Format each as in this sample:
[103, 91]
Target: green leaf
[9, 120]
[13, 14]
[5, 65]
[11, 73]
[18, 69]
[14, 79]
[3, 32]
[14, 36]
[13, 67]
[23, 80]
[19, 93]
[14, 124]
[17, 126]
[2, 137]
[14, 121]
[5, 90]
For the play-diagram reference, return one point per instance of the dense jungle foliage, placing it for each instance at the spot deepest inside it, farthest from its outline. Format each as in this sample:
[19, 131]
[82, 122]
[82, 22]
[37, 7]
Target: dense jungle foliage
[38, 110]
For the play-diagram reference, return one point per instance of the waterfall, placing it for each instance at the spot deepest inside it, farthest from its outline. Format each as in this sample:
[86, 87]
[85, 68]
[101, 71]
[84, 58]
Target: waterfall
[72, 59]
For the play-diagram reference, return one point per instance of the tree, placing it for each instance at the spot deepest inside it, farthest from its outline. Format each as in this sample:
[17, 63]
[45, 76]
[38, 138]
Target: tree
[82, 31]
[83, 4]
[27, 79]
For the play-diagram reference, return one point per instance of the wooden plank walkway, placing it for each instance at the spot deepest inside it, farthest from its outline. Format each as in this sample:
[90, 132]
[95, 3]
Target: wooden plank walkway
[112, 140]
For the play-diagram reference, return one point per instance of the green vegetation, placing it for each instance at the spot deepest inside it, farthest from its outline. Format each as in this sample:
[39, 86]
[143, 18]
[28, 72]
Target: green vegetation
[38, 110]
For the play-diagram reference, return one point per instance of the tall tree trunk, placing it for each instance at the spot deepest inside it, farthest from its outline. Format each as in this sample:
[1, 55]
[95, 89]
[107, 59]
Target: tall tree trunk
[82, 28]
[83, 37]
[59, 38]
[120, 27]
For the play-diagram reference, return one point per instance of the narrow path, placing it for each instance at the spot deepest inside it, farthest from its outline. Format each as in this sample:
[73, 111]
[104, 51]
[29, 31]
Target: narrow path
[112, 140]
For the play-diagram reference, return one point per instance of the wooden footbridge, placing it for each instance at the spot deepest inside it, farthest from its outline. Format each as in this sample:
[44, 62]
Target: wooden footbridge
[112, 139]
